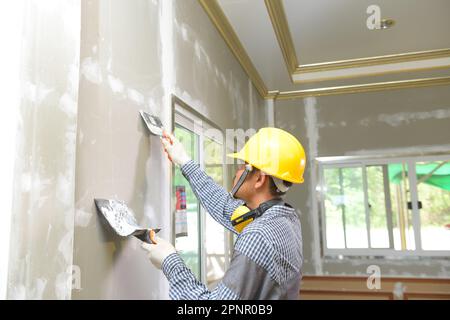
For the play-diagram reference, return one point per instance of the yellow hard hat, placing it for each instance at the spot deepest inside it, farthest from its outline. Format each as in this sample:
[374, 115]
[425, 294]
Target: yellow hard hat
[275, 152]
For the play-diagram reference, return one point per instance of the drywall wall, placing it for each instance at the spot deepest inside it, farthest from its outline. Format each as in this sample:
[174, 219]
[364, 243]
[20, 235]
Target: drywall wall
[11, 23]
[120, 74]
[354, 124]
[207, 74]
[87, 69]
[40, 262]
[135, 55]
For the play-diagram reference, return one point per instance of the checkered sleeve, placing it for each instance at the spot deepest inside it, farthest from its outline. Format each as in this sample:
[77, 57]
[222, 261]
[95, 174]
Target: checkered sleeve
[214, 198]
[184, 285]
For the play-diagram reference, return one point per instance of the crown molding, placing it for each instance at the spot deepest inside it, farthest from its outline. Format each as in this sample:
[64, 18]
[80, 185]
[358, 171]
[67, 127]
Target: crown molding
[282, 31]
[227, 32]
[277, 14]
[361, 88]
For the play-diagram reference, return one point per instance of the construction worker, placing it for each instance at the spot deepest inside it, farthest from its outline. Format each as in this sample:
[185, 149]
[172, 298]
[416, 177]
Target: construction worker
[267, 258]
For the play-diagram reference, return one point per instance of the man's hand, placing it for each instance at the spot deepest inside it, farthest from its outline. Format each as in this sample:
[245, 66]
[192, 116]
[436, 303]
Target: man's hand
[159, 251]
[174, 149]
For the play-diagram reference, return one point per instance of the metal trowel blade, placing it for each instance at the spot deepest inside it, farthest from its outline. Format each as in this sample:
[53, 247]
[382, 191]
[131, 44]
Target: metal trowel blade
[153, 123]
[122, 220]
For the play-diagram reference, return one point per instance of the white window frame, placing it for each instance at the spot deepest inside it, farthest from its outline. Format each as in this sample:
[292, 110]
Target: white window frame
[363, 162]
[198, 126]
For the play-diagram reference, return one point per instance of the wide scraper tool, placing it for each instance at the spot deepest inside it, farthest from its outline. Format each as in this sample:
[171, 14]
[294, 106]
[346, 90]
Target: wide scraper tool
[122, 220]
[153, 123]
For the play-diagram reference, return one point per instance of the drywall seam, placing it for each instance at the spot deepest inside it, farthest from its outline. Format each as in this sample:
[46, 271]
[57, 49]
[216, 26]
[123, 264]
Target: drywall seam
[270, 112]
[313, 140]
[402, 118]
[251, 106]
[166, 21]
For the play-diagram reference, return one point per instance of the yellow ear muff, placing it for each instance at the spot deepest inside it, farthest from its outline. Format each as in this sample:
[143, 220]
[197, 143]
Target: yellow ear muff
[238, 221]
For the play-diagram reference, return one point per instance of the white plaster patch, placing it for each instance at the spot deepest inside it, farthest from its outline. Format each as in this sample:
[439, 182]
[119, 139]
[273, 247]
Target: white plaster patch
[198, 51]
[80, 137]
[135, 96]
[313, 140]
[68, 105]
[91, 70]
[49, 230]
[115, 84]
[150, 212]
[184, 32]
[64, 188]
[34, 183]
[17, 293]
[198, 105]
[26, 182]
[82, 218]
[73, 79]
[38, 292]
[365, 122]
[398, 119]
[331, 124]
[152, 105]
[401, 151]
[109, 64]
[36, 93]
[224, 79]
[65, 247]
[62, 286]
[41, 201]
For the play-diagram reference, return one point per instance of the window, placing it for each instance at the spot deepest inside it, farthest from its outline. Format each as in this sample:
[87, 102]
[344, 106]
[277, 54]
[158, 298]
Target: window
[383, 207]
[202, 242]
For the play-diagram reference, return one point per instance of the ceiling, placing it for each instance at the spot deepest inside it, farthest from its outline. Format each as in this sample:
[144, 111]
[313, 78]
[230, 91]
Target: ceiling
[298, 48]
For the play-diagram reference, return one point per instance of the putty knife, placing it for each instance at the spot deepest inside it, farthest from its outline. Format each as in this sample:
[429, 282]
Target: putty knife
[153, 123]
[121, 219]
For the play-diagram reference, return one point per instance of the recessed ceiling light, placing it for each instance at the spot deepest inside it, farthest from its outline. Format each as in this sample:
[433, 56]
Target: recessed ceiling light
[386, 23]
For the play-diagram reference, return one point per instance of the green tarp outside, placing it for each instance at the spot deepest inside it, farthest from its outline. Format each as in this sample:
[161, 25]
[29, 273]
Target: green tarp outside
[440, 178]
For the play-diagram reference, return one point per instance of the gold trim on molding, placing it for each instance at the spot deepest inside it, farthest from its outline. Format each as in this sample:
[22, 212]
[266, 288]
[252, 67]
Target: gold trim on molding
[383, 73]
[218, 18]
[360, 88]
[280, 25]
[224, 27]
[371, 61]
[279, 22]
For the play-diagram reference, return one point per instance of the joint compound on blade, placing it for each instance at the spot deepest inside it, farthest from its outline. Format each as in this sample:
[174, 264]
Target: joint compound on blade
[117, 213]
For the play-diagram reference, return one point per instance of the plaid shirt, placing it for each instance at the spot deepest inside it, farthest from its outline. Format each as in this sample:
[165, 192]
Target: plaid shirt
[267, 257]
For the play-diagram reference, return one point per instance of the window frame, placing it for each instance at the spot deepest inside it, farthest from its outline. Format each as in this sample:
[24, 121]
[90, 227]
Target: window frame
[187, 117]
[377, 160]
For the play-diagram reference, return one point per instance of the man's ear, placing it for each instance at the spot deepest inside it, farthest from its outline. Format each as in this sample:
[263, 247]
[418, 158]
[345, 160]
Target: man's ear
[261, 179]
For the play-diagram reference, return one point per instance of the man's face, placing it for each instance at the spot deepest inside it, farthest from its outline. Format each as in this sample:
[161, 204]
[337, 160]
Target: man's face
[248, 187]
[237, 176]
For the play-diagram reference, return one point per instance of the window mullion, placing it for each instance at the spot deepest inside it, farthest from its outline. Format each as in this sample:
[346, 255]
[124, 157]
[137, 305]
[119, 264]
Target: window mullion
[322, 216]
[366, 204]
[344, 223]
[201, 218]
[414, 200]
[388, 205]
[226, 183]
